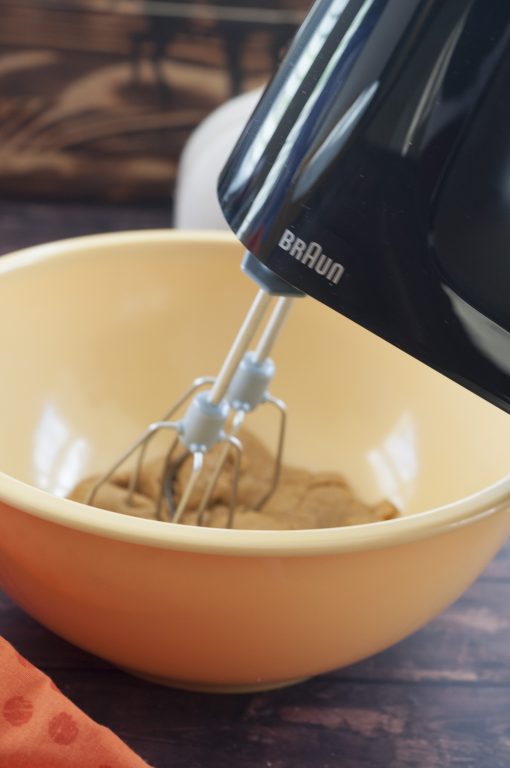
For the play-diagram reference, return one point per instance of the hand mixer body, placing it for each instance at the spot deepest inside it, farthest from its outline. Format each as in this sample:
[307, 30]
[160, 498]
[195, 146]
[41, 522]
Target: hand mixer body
[374, 175]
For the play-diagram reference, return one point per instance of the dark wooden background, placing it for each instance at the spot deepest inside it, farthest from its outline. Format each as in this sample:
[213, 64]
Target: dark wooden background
[97, 97]
[440, 698]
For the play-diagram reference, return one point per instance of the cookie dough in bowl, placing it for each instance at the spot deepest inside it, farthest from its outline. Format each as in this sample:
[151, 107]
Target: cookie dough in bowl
[302, 500]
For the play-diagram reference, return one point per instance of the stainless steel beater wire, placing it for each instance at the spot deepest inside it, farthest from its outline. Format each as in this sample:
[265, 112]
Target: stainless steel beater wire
[198, 461]
[239, 347]
[135, 475]
[237, 445]
[166, 466]
[154, 427]
[272, 329]
[282, 408]
[213, 479]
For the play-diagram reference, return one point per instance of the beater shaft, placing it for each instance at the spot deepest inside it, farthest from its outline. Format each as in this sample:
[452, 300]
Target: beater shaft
[239, 347]
[272, 329]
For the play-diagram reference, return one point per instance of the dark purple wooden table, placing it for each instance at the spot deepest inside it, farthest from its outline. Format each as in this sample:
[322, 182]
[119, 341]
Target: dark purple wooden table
[440, 698]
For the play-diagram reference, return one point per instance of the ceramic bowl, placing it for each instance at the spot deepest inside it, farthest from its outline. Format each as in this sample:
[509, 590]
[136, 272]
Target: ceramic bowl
[97, 336]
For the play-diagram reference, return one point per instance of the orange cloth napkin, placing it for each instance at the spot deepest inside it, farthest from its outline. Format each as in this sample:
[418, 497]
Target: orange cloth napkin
[41, 728]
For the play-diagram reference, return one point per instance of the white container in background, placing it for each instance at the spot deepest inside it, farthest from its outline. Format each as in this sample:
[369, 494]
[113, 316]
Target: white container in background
[204, 155]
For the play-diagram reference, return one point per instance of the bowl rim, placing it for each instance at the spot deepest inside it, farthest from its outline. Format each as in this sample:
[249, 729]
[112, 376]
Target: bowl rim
[41, 504]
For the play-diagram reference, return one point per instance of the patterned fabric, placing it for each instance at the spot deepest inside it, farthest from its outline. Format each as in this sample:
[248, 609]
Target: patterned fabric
[41, 728]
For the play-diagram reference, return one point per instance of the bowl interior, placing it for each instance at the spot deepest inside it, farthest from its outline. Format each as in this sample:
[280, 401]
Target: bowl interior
[99, 336]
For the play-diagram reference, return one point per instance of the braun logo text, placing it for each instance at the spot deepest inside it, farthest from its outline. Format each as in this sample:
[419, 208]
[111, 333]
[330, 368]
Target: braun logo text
[312, 256]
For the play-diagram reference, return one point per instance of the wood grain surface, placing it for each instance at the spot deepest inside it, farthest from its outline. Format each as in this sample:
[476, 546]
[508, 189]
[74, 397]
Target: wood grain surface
[439, 698]
[97, 97]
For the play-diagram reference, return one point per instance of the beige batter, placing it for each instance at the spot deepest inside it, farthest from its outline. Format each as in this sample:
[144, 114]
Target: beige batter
[302, 500]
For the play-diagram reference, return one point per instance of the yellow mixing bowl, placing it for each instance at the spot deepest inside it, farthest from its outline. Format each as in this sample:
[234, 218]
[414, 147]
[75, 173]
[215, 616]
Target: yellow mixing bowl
[98, 335]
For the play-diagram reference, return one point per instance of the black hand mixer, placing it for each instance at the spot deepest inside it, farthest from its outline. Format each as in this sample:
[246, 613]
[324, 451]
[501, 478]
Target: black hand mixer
[374, 176]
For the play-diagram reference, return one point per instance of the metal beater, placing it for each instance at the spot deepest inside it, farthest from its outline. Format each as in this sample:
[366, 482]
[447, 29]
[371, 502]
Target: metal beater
[216, 409]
